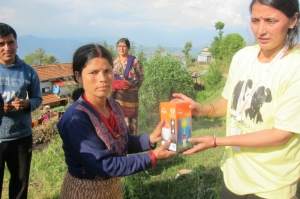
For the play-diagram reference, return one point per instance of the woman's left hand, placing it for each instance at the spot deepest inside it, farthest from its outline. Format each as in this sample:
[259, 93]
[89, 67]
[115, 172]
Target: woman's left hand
[203, 143]
[155, 136]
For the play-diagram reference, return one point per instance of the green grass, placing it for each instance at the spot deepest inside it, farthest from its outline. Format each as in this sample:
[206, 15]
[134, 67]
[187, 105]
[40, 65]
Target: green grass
[203, 182]
[48, 169]
[47, 172]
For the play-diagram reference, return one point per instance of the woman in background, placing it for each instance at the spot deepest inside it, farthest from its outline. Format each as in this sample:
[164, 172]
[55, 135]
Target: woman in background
[95, 137]
[129, 77]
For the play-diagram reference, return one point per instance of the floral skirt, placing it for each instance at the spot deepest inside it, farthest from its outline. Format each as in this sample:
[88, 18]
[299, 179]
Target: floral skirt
[75, 188]
[128, 100]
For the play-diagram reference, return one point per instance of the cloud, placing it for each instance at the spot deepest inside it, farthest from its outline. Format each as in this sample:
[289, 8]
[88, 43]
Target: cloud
[64, 18]
[187, 13]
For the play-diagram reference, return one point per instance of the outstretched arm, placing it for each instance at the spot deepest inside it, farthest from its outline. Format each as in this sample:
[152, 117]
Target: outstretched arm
[264, 138]
[217, 109]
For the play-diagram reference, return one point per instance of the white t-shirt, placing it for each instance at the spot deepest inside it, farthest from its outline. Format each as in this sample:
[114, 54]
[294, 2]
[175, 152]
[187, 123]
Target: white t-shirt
[269, 172]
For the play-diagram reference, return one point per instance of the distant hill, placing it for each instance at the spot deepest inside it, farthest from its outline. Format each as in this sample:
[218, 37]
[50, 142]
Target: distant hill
[63, 49]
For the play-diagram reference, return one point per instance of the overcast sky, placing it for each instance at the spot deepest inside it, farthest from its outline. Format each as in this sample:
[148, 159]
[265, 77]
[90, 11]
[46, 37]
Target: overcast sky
[149, 23]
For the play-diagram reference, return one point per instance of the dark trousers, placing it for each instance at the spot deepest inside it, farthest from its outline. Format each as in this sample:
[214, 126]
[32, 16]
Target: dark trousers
[17, 155]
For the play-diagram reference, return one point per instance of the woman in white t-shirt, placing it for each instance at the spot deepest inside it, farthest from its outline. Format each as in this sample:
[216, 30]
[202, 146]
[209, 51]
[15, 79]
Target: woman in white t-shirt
[261, 102]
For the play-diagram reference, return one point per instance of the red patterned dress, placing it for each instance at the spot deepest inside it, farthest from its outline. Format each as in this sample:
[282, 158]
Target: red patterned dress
[128, 98]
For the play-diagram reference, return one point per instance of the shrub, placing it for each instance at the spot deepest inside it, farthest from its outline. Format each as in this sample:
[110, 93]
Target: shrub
[214, 75]
[164, 75]
[230, 45]
[44, 133]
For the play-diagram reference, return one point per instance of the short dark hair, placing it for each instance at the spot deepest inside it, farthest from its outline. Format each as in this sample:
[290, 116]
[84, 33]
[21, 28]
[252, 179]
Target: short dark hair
[82, 56]
[287, 7]
[125, 40]
[7, 30]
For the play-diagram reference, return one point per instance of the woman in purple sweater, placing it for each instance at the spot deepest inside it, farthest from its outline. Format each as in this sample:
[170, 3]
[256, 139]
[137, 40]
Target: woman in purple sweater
[95, 137]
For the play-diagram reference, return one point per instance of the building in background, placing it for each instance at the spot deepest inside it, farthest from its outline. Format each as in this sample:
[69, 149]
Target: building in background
[53, 78]
[204, 55]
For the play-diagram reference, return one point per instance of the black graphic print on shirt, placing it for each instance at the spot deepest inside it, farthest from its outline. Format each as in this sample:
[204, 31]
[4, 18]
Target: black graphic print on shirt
[261, 95]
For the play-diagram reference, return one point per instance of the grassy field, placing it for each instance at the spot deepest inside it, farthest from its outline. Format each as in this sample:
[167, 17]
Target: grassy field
[48, 169]
[47, 172]
[203, 181]
[161, 182]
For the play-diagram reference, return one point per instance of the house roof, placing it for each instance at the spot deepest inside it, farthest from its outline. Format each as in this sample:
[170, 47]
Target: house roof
[204, 55]
[205, 49]
[59, 83]
[54, 71]
[49, 98]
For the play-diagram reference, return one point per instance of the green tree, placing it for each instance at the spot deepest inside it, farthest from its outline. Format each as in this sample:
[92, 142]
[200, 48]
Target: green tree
[219, 26]
[230, 45]
[51, 59]
[105, 44]
[141, 56]
[214, 75]
[132, 48]
[187, 48]
[39, 57]
[164, 76]
[214, 48]
[160, 49]
[111, 49]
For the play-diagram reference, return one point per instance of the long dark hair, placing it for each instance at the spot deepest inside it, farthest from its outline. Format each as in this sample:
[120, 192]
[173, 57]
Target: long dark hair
[82, 56]
[287, 7]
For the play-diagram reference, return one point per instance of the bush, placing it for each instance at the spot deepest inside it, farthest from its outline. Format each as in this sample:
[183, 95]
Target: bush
[213, 77]
[44, 133]
[210, 95]
[164, 75]
[230, 45]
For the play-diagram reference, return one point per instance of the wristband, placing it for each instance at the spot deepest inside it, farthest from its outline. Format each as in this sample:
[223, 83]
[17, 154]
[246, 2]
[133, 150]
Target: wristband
[215, 141]
[211, 110]
[153, 158]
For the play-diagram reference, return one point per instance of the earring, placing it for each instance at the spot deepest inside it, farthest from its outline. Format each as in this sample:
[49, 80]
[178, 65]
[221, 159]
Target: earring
[291, 27]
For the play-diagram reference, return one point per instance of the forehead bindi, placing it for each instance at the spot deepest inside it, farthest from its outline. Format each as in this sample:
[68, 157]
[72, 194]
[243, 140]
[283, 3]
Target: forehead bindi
[262, 11]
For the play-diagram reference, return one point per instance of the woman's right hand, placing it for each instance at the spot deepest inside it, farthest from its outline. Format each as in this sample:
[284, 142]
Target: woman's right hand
[197, 109]
[162, 152]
